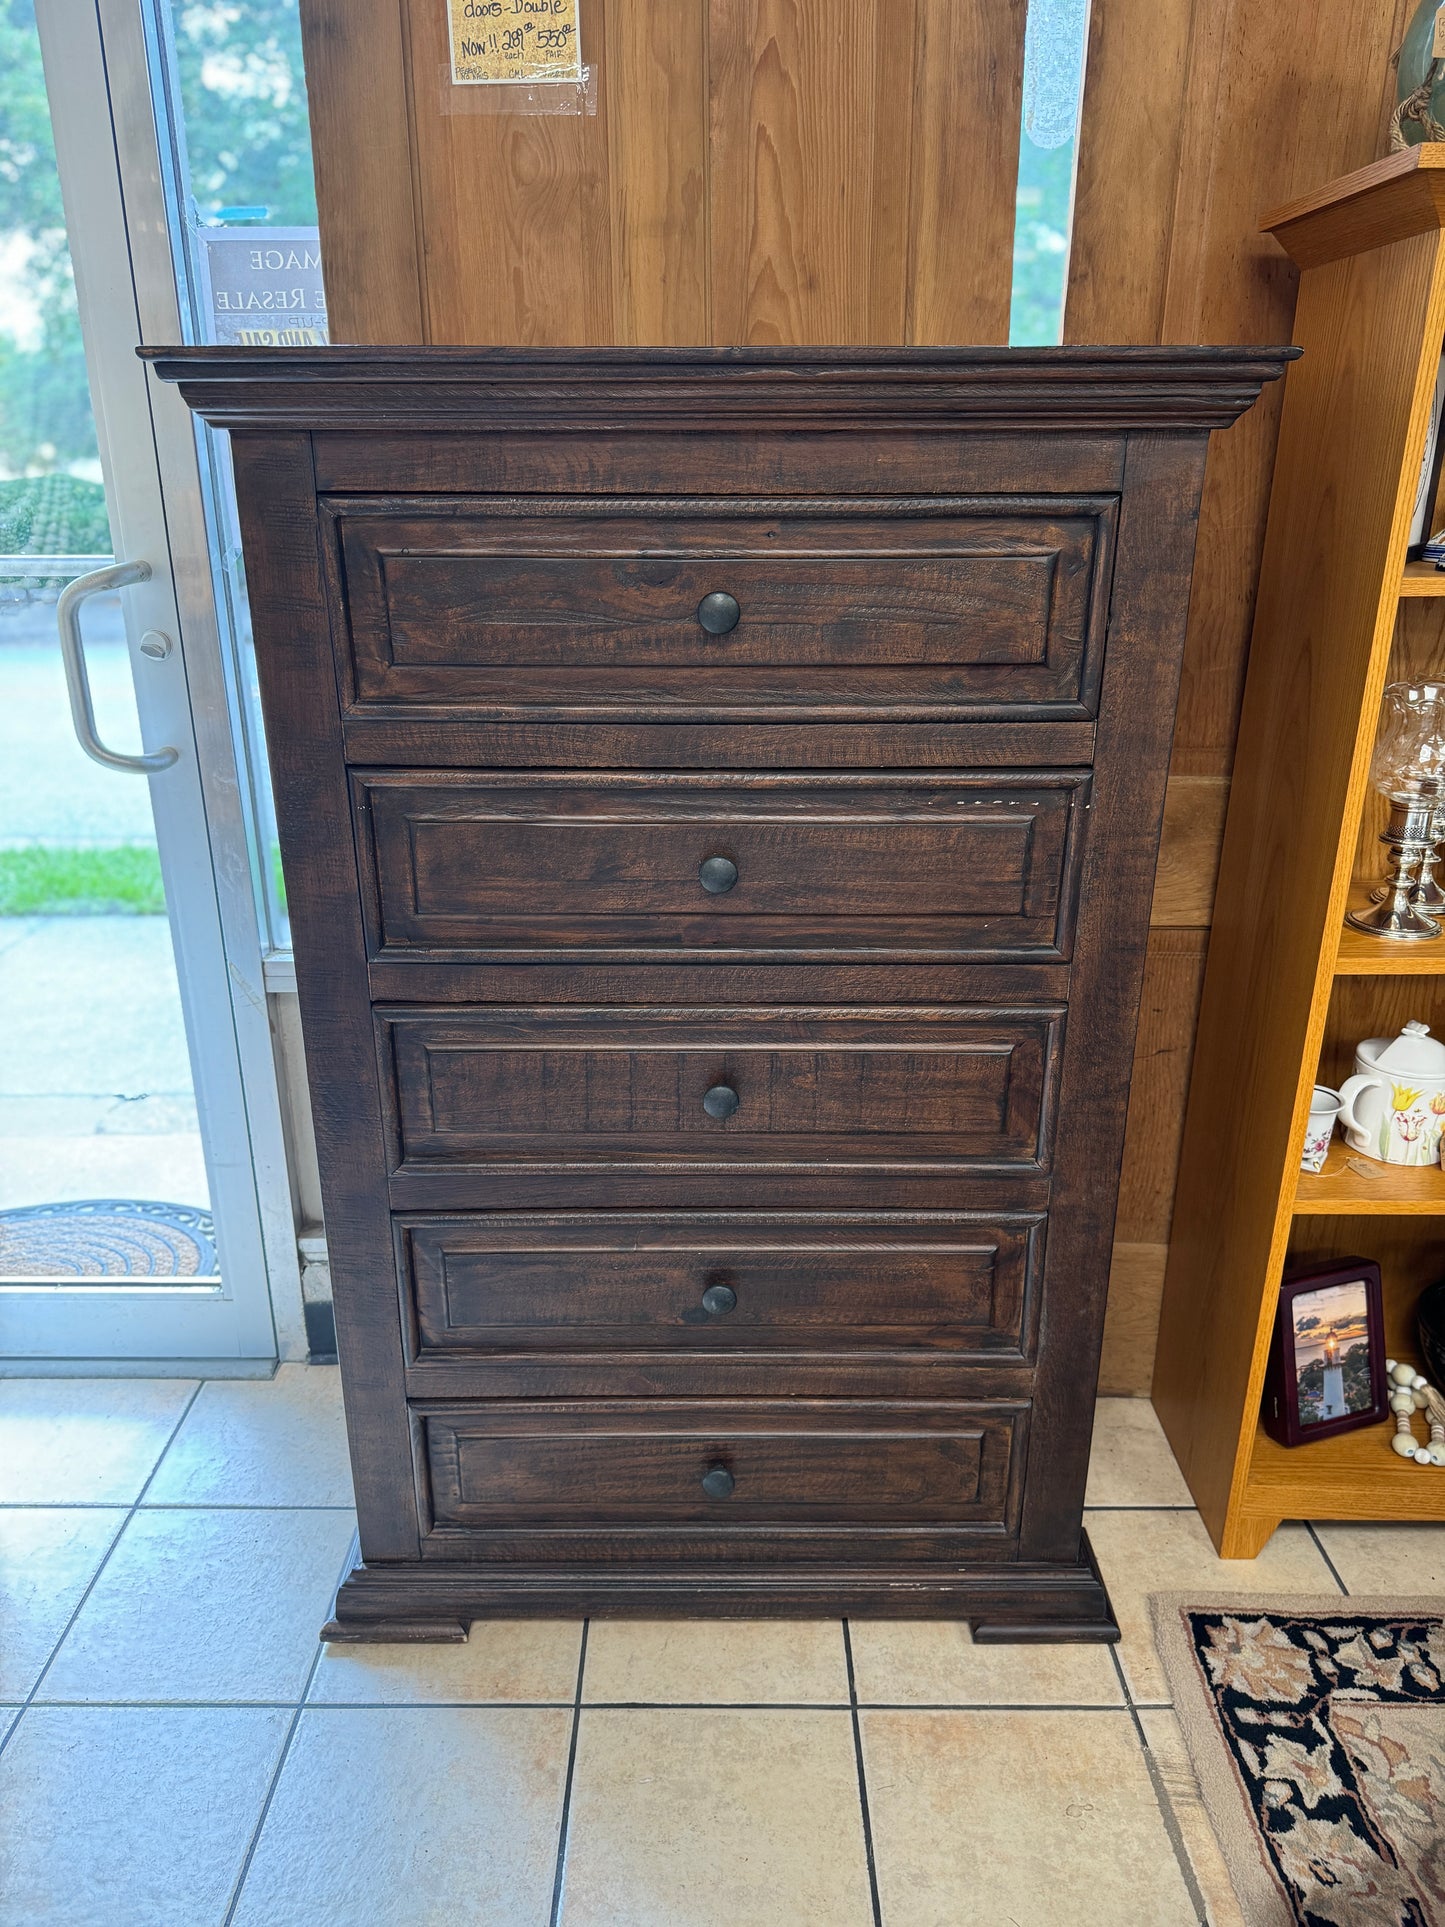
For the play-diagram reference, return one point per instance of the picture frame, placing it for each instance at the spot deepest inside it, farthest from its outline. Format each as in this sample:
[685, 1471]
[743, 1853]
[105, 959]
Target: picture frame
[1317, 1383]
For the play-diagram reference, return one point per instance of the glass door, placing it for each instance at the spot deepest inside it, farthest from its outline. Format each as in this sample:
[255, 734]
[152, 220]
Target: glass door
[145, 1211]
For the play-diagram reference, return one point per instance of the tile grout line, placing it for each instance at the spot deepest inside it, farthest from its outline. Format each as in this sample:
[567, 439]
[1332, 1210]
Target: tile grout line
[1168, 1505]
[298, 1708]
[224, 1505]
[1320, 1548]
[116, 1537]
[560, 1872]
[163, 1505]
[1167, 1814]
[604, 1706]
[873, 1895]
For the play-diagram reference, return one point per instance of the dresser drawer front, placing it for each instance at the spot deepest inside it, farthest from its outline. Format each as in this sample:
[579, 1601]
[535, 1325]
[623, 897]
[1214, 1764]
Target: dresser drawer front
[571, 1282]
[479, 865]
[505, 1087]
[627, 1465]
[950, 604]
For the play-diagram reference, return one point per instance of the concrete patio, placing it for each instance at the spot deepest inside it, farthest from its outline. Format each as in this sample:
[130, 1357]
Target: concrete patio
[95, 1083]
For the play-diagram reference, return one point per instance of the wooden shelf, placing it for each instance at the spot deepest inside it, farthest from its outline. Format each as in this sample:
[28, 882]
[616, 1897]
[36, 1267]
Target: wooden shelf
[1360, 955]
[1423, 578]
[1288, 990]
[1354, 1476]
[1342, 1191]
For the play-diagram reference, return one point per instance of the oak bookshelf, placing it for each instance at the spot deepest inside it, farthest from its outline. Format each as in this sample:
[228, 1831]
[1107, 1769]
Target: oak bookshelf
[1289, 989]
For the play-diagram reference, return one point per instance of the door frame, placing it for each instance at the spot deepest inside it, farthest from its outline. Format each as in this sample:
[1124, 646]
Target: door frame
[99, 72]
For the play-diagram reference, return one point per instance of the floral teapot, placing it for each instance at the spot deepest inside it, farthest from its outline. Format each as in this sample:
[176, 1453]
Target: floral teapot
[1393, 1108]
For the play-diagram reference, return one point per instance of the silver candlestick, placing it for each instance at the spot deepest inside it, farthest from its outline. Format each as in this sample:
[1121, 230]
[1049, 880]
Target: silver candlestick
[1427, 894]
[1411, 843]
[1409, 771]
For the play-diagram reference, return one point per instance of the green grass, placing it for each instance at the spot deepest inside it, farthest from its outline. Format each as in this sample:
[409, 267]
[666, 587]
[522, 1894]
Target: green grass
[46, 881]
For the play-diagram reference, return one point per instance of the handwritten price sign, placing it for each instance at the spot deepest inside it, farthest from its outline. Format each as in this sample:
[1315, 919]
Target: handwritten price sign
[500, 41]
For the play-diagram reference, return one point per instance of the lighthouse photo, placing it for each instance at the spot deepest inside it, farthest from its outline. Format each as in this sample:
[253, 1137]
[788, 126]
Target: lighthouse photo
[1332, 1352]
[1332, 1402]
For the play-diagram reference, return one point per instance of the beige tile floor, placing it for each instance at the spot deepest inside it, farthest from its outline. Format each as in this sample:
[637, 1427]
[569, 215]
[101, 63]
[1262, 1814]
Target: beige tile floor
[176, 1749]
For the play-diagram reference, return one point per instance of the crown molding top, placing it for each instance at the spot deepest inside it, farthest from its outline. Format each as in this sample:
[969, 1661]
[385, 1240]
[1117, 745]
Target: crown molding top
[1389, 200]
[723, 389]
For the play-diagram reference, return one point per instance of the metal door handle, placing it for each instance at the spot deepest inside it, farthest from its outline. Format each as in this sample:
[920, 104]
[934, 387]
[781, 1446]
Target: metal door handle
[82, 710]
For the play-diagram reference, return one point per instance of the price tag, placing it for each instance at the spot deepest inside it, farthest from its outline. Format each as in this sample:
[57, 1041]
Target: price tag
[497, 42]
[1437, 39]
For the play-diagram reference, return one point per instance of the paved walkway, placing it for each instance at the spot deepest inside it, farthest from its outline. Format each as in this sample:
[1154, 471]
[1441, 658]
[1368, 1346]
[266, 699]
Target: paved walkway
[50, 790]
[95, 1081]
[95, 1085]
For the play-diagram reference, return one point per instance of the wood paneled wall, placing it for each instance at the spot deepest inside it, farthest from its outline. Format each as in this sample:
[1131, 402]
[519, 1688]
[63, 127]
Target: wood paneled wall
[838, 171]
[745, 171]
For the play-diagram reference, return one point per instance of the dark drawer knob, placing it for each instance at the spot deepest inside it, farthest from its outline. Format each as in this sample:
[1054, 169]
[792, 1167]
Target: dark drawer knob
[717, 874]
[719, 1300]
[718, 613]
[721, 1101]
[718, 1482]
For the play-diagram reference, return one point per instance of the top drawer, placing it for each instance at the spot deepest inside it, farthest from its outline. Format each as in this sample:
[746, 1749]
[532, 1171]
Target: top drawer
[806, 608]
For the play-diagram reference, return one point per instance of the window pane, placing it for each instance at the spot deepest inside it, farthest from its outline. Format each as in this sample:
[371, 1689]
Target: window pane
[1055, 49]
[102, 1167]
[231, 94]
[51, 499]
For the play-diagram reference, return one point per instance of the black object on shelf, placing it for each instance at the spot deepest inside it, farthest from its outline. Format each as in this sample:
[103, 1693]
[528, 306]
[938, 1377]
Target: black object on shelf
[1430, 1329]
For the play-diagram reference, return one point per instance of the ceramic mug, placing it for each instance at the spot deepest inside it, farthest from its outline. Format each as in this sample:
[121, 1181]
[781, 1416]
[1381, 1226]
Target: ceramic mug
[1324, 1109]
[1393, 1116]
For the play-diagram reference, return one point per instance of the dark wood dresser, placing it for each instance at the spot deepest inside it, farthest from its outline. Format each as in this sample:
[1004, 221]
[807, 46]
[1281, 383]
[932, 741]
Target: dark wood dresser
[719, 793]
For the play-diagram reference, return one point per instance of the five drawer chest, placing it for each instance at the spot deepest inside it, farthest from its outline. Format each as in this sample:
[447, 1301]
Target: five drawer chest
[719, 793]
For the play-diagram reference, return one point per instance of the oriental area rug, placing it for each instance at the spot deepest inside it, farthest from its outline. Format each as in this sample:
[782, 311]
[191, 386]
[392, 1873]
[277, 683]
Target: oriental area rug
[1316, 1728]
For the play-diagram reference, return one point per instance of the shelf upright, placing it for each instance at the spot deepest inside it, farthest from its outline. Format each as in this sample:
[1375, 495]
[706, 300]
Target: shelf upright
[1288, 989]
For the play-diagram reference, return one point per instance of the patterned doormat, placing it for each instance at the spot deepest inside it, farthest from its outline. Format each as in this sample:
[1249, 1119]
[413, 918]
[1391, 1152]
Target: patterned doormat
[108, 1238]
[1317, 1732]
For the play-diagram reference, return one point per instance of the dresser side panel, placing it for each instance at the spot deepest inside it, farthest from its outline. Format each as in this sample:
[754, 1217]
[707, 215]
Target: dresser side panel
[276, 494]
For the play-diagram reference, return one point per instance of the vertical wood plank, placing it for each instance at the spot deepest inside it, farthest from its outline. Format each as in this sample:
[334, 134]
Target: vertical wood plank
[1271, 111]
[809, 153]
[657, 116]
[1168, 1011]
[356, 89]
[1129, 135]
[967, 102]
[517, 227]
[1131, 1320]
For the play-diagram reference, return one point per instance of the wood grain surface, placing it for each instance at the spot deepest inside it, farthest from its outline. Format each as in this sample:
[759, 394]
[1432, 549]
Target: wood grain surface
[1354, 425]
[735, 171]
[872, 1450]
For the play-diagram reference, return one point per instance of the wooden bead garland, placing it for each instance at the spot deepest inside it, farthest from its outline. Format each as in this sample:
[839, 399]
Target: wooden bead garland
[1410, 1392]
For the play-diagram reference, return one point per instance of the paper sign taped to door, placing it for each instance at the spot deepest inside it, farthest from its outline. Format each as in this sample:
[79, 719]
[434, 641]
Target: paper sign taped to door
[499, 41]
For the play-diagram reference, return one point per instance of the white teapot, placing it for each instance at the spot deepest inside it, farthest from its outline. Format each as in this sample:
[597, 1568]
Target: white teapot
[1393, 1108]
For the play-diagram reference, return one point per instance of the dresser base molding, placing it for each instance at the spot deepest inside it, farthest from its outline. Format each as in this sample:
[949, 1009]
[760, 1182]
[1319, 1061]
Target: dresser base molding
[1028, 1604]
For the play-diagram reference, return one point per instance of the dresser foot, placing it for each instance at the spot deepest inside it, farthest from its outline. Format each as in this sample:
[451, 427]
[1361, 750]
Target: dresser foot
[1095, 1626]
[1046, 1632]
[397, 1632]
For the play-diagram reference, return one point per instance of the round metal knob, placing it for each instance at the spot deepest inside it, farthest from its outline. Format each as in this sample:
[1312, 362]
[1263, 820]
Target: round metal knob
[718, 1482]
[719, 1300]
[721, 1101]
[717, 874]
[718, 613]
